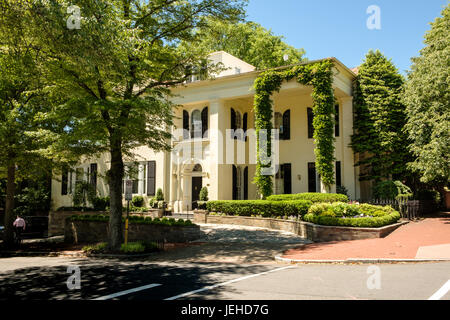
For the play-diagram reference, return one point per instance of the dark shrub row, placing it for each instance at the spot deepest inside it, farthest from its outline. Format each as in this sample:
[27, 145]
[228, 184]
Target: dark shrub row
[134, 219]
[313, 197]
[263, 208]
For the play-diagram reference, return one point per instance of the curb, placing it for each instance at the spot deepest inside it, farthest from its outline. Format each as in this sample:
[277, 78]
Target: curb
[9, 254]
[280, 259]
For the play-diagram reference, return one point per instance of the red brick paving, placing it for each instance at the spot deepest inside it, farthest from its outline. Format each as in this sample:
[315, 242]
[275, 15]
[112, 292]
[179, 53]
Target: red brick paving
[403, 243]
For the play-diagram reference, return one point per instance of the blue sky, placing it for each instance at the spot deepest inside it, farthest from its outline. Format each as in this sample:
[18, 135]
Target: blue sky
[327, 28]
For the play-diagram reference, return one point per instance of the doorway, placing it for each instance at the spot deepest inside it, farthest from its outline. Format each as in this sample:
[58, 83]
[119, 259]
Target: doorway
[197, 183]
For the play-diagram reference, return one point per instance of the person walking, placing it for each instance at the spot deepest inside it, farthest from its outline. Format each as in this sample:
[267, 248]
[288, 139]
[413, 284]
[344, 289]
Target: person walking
[19, 225]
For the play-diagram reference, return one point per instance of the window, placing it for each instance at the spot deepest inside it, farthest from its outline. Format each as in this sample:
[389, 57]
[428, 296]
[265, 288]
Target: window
[338, 174]
[238, 125]
[312, 181]
[310, 123]
[136, 172]
[283, 179]
[237, 70]
[336, 119]
[240, 183]
[286, 128]
[196, 124]
[279, 124]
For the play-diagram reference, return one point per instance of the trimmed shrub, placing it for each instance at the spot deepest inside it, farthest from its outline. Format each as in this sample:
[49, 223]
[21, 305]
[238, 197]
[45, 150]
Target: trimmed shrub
[159, 195]
[264, 208]
[100, 204]
[203, 194]
[351, 215]
[313, 197]
[391, 190]
[138, 201]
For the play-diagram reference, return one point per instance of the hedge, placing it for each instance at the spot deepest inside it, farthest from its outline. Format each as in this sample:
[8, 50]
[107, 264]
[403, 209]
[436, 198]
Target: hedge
[313, 197]
[263, 208]
[351, 215]
[134, 220]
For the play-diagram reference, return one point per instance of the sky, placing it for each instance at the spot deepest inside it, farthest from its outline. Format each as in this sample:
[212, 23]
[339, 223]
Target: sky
[327, 28]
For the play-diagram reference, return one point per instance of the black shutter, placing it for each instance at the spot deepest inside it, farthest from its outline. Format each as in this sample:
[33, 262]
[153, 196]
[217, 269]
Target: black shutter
[244, 124]
[93, 175]
[64, 180]
[311, 177]
[287, 168]
[336, 118]
[286, 125]
[246, 183]
[338, 174]
[233, 122]
[234, 182]
[151, 178]
[204, 121]
[310, 123]
[185, 124]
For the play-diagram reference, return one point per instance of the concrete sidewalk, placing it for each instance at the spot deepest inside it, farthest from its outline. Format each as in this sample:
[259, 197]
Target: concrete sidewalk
[427, 239]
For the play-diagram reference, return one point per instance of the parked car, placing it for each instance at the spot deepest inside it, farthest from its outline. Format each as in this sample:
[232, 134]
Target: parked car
[1, 232]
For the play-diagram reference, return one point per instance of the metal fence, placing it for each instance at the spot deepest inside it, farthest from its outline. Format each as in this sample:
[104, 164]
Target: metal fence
[409, 209]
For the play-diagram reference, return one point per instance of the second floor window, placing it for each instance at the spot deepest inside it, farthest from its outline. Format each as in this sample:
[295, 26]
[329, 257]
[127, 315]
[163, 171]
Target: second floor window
[310, 123]
[195, 124]
[238, 124]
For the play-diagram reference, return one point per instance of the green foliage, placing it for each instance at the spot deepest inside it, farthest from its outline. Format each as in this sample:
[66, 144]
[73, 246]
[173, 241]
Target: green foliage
[391, 190]
[138, 201]
[84, 192]
[351, 215]
[262, 208]
[132, 247]
[432, 195]
[427, 98]
[204, 194]
[100, 203]
[135, 220]
[249, 41]
[159, 195]
[342, 190]
[313, 197]
[97, 248]
[379, 119]
[33, 198]
[318, 75]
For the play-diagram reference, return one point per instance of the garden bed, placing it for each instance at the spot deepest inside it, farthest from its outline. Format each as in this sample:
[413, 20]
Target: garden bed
[307, 230]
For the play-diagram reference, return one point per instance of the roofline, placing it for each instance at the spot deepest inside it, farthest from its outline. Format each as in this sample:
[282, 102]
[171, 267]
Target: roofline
[251, 73]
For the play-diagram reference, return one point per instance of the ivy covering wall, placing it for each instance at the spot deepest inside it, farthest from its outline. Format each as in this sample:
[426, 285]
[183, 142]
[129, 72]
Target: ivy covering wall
[318, 75]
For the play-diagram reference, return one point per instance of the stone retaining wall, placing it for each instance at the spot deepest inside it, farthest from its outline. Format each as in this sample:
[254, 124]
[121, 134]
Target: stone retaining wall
[97, 231]
[310, 231]
[57, 220]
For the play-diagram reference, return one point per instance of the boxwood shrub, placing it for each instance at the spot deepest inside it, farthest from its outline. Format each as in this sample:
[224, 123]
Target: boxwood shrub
[351, 215]
[263, 208]
[313, 197]
[135, 220]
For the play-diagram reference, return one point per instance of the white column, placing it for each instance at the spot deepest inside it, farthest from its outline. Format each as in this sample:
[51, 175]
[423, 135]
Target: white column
[349, 179]
[219, 122]
[141, 177]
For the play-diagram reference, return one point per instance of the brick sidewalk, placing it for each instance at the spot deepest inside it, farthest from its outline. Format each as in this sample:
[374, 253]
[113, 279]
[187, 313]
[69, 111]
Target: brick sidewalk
[429, 235]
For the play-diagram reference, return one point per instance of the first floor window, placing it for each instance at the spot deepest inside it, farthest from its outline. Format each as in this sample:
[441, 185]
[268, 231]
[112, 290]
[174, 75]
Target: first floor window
[312, 181]
[240, 183]
[338, 174]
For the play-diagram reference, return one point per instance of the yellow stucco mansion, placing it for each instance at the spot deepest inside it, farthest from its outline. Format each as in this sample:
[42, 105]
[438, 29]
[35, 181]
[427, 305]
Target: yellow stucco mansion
[205, 153]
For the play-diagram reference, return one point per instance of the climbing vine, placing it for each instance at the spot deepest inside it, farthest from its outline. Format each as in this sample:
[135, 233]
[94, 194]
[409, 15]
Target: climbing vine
[319, 76]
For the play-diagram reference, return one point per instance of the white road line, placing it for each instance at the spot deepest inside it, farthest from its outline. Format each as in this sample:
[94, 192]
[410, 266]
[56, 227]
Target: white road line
[122, 293]
[225, 283]
[441, 292]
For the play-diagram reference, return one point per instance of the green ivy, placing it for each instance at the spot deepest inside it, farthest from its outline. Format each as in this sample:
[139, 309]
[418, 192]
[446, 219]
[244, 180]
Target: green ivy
[319, 76]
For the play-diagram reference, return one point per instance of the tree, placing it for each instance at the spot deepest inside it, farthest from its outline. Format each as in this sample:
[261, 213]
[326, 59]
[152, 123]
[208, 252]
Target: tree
[249, 42]
[116, 71]
[427, 98]
[22, 109]
[380, 116]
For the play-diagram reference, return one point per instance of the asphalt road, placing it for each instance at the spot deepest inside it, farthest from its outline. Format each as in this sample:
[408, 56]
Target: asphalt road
[46, 279]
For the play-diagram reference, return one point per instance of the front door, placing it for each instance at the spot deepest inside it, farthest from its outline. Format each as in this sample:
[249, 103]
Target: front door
[197, 183]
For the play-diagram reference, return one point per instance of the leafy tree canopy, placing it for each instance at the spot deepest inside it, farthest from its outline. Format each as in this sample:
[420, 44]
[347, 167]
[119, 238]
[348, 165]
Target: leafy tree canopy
[427, 97]
[250, 42]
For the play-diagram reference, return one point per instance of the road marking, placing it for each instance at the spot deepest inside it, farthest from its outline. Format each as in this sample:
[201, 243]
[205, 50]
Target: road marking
[226, 283]
[441, 292]
[122, 293]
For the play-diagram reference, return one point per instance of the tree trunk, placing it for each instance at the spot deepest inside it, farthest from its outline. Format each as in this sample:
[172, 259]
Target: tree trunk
[9, 207]
[115, 193]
